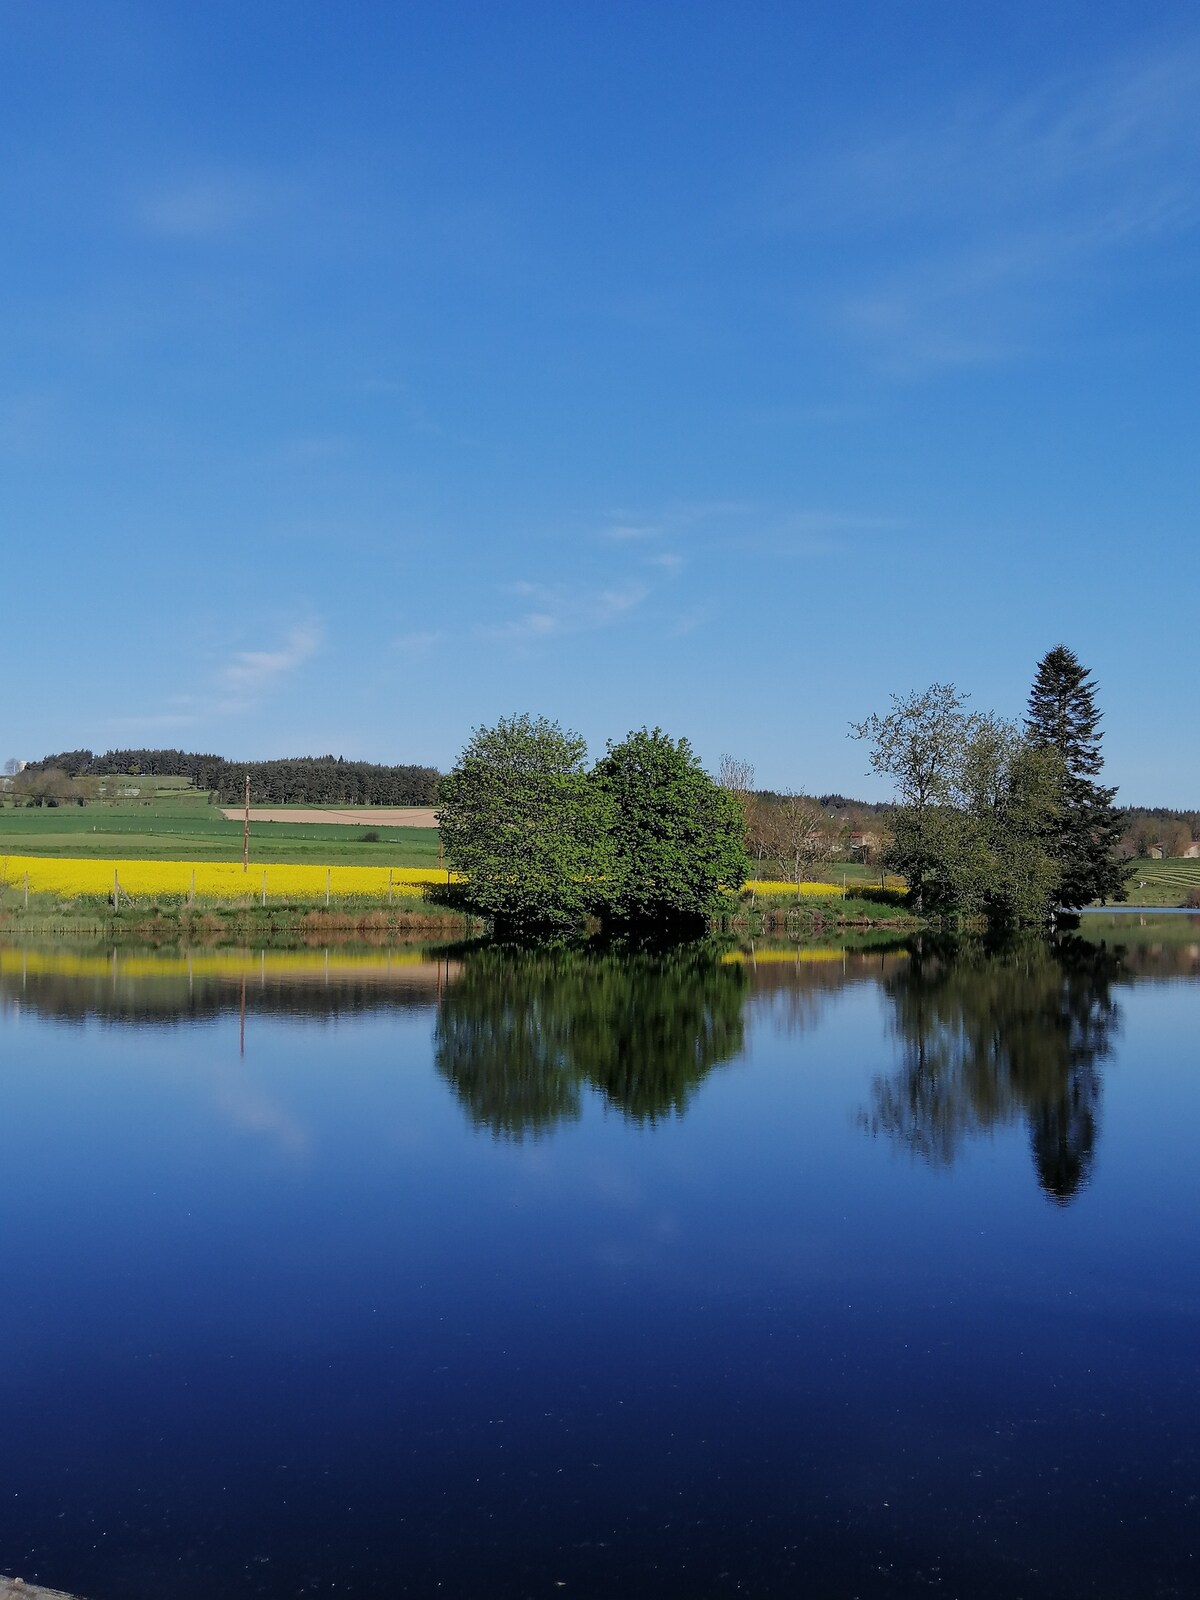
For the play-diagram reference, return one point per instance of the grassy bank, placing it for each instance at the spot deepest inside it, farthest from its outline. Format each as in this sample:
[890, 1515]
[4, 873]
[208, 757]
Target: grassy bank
[811, 913]
[155, 925]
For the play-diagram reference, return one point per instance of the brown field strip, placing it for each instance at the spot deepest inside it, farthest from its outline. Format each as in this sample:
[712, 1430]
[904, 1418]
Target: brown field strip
[350, 816]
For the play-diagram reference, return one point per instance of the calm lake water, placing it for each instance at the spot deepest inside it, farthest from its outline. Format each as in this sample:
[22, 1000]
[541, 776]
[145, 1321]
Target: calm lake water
[477, 1272]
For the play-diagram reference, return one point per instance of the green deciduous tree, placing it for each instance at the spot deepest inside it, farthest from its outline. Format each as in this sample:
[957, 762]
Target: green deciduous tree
[677, 837]
[919, 745]
[520, 817]
[977, 803]
[1062, 716]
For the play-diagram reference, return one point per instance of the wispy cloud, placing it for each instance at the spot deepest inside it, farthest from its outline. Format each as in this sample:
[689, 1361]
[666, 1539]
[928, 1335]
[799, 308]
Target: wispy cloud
[253, 671]
[986, 212]
[676, 518]
[558, 609]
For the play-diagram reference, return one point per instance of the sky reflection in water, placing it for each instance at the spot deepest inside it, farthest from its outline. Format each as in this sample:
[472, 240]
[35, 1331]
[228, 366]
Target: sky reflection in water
[656, 1274]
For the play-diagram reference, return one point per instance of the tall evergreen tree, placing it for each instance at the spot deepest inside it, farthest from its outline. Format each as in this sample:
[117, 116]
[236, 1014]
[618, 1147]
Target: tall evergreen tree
[1063, 716]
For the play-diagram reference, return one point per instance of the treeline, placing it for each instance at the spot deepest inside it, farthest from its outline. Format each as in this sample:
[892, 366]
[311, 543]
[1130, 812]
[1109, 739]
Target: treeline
[298, 780]
[1158, 827]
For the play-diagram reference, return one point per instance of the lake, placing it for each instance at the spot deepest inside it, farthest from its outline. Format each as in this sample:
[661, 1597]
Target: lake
[761, 1271]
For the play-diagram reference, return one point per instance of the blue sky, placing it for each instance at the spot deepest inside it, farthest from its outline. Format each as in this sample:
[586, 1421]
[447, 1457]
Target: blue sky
[369, 372]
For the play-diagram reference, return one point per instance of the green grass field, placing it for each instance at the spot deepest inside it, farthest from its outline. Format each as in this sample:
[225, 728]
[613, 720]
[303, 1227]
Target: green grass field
[170, 822]
[1164, 883]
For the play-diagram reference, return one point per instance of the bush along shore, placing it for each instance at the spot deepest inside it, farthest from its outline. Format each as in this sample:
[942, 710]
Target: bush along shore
[813, 912]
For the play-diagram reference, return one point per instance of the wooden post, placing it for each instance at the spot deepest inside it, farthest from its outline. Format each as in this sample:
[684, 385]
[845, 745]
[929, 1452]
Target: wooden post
[389, 885]
[192, 891]
[27, 891]
[116, 890]
[264, 888]
[246, 831]
[327, 894]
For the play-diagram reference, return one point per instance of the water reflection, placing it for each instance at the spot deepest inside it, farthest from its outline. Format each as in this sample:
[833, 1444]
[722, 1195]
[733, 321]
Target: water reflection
[522, 1031]
[984, 1037]
[142, 988]
[990, 1036]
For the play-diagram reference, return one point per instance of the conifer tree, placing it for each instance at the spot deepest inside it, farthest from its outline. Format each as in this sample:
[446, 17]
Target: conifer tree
[1063, 716]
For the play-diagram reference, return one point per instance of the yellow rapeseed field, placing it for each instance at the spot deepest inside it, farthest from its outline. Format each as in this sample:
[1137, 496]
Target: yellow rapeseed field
[779, 886]
[226, 881]
[209, 880]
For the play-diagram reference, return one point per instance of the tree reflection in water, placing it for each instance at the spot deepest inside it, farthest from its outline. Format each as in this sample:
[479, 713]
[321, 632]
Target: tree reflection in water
[522, 1031]
[991, 1035]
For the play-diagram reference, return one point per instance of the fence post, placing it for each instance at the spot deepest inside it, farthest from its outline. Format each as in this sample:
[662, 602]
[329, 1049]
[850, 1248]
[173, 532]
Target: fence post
[264, 889]
[116, 891]
[327, 888]
[192, 892]
[389, 884]
[27, 891]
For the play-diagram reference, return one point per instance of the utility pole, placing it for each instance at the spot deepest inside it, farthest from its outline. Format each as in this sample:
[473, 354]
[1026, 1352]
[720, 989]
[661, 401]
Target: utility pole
[246, 832]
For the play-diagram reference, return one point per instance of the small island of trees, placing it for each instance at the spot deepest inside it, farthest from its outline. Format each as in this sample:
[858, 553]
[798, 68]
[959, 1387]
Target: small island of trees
[644, 838]
[994, 820]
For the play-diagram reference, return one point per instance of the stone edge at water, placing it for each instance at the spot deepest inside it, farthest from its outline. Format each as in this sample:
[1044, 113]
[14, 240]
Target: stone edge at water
[18, 1589]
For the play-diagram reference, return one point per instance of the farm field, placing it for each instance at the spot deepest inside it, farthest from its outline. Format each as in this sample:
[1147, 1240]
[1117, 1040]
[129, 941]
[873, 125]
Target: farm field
[1164, 883]
[170, 823]
[158, 881]
[344, 816]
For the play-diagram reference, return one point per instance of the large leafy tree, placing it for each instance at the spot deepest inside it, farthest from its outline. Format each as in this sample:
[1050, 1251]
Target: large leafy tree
[521, 819]
[976, 801]
[1063, 717]
[678, 838]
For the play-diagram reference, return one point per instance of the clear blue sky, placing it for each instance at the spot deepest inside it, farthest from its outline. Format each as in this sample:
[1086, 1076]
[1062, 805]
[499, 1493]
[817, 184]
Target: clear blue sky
[370, 371]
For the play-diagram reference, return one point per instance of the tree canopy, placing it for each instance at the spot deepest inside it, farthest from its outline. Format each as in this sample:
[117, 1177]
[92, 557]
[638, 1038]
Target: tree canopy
[521, 818]
[1063, 717]
[677, 837]
[977, 803]
[645, 838]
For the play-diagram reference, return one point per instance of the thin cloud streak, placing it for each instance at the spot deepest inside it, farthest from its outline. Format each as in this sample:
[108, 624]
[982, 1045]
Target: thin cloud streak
[1006, 208]
[253, 671]
[556, 610]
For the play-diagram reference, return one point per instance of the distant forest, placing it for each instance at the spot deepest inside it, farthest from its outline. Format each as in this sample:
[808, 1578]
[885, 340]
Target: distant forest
[299, 780]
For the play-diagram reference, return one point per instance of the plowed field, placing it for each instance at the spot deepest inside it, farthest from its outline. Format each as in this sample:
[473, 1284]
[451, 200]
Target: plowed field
[352, 816]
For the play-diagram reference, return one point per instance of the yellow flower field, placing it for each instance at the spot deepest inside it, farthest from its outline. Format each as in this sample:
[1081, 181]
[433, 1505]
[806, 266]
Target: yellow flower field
[779, 886]
[769, 887]
[210, 880]
[225, 880]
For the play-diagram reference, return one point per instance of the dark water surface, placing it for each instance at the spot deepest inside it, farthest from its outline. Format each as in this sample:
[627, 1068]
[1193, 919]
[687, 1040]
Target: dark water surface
[473, 1272]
